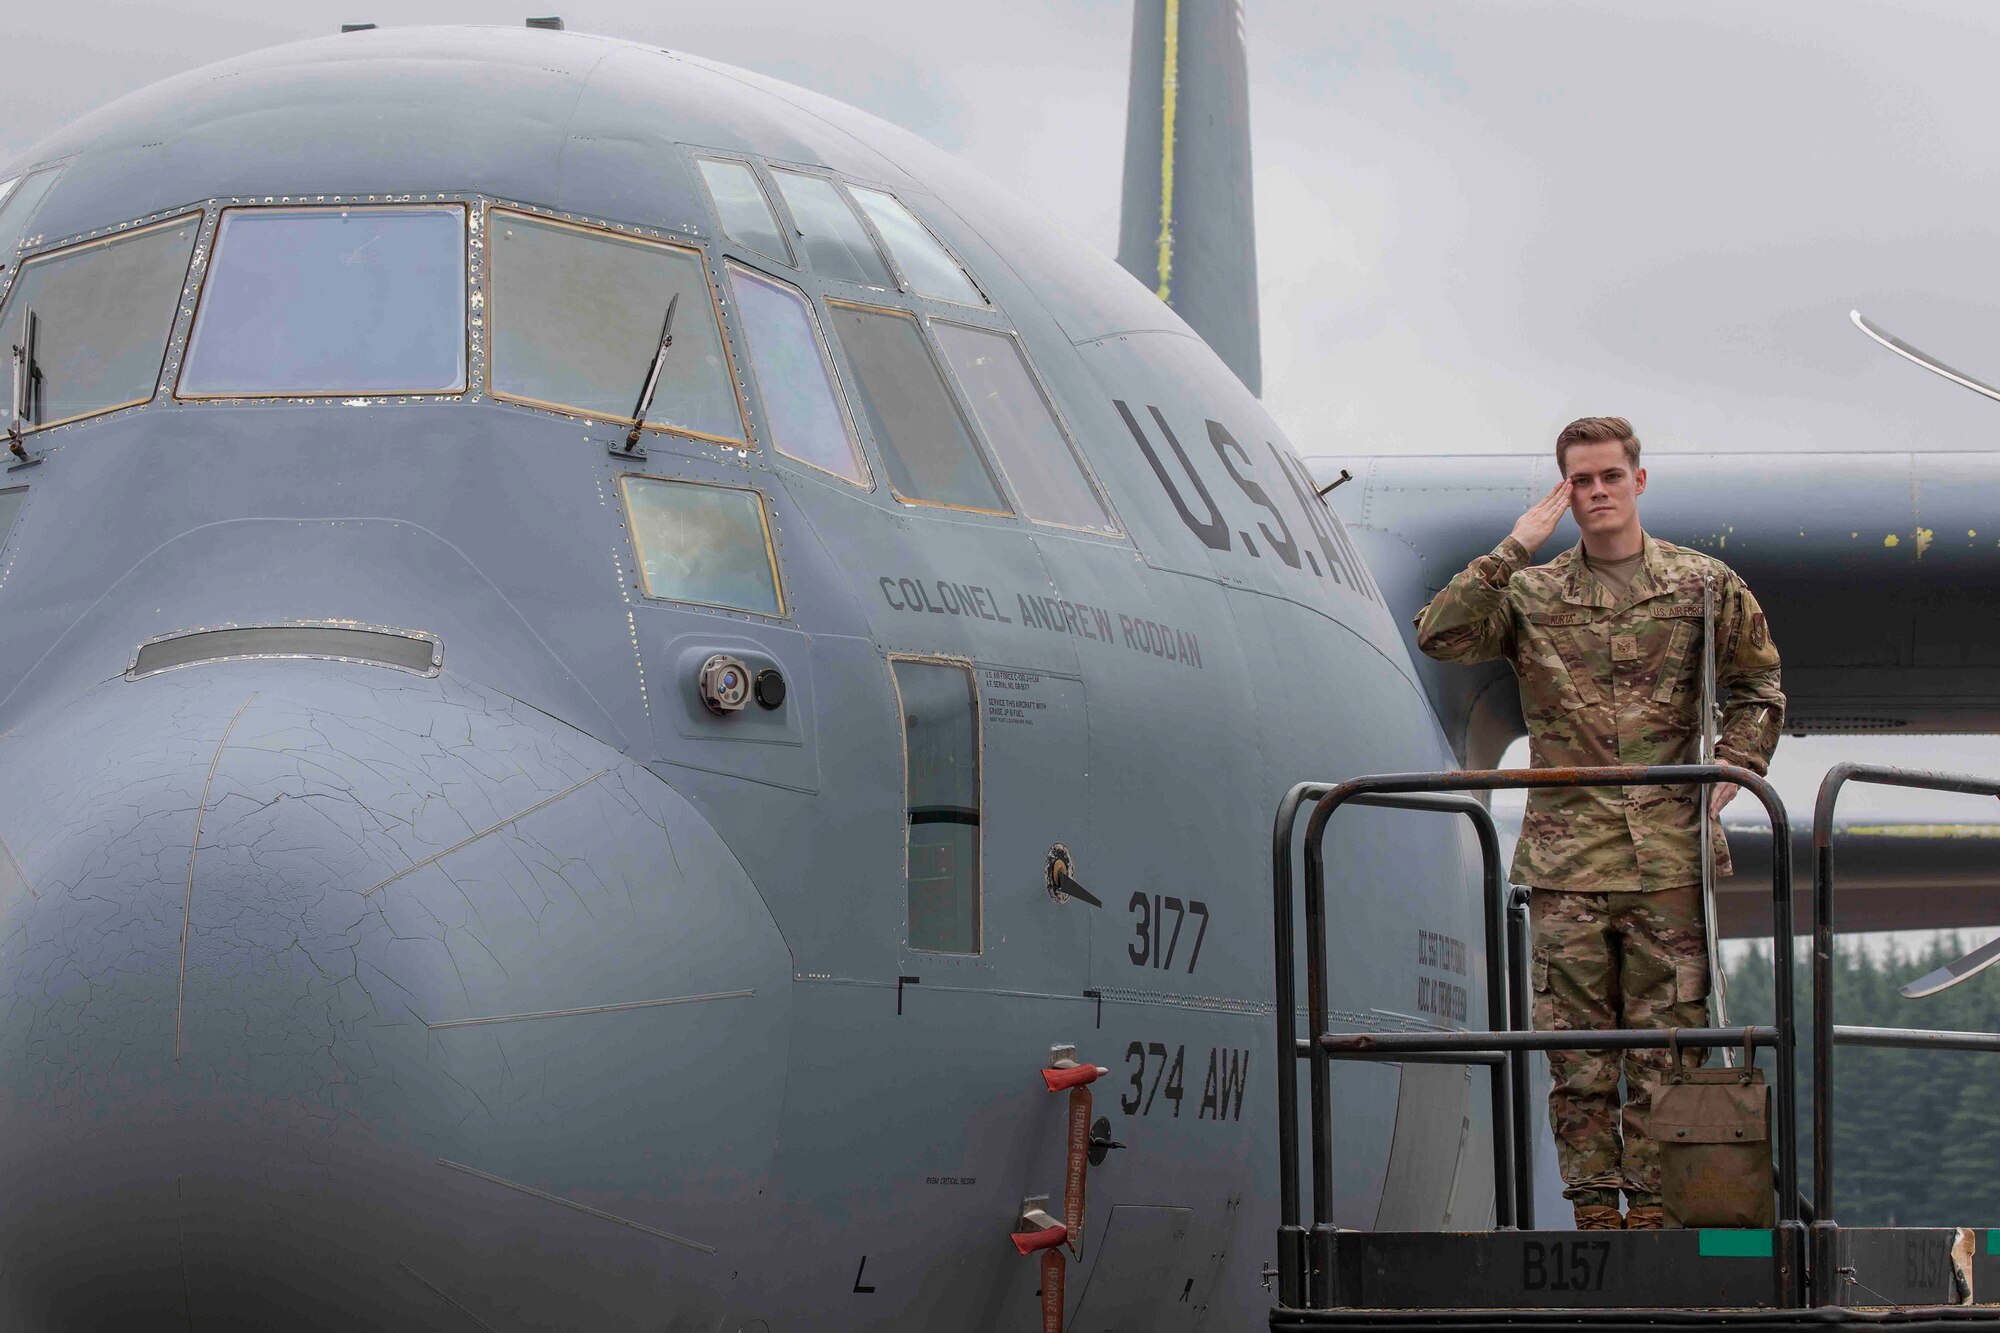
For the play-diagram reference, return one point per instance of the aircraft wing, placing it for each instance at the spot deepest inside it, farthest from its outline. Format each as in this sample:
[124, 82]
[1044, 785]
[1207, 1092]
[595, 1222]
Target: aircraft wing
[1880, 572]
[1887, 875]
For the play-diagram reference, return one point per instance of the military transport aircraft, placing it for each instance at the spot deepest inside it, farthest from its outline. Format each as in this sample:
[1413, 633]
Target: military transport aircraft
[606, 656]
[603, 655]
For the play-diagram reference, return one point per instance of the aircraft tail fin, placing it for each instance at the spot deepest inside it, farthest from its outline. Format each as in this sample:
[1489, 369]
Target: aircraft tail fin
[1186, 227]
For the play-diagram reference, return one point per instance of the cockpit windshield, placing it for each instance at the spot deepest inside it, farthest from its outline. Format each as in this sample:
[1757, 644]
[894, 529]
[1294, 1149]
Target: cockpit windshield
[1033, 449]
[103, 312]
[332, 301]
[19, 198]
[745, 212]
[577, 317]
[802, 406]
[836, 243]
[929, 267]
[925, 441]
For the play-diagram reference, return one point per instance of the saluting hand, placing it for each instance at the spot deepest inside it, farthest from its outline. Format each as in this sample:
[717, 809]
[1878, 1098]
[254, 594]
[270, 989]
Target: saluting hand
[1534, 527]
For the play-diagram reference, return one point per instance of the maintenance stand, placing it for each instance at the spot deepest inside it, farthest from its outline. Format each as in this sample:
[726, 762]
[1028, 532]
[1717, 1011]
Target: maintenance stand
[1806, 1272]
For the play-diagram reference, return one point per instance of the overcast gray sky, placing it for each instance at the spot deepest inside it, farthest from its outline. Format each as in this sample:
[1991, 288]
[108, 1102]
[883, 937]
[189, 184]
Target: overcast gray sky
[1475, 220]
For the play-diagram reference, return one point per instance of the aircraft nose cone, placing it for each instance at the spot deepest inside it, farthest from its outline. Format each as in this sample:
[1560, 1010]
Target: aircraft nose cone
[334, 997]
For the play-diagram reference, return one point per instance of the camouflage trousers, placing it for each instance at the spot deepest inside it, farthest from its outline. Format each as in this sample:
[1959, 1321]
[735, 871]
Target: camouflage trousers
[1610, 960]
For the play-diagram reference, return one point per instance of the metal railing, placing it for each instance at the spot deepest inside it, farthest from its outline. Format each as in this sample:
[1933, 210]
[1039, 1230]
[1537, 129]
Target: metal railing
[1512, 1174]
[1807, 1272]
[1306, 1267]
[1826, 1033]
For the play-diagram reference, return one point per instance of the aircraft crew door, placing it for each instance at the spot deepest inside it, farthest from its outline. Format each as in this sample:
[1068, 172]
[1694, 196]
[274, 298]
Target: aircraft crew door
[997, 760]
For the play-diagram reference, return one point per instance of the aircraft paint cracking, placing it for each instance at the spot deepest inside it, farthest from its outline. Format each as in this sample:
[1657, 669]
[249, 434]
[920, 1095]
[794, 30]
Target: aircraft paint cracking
[194, 849]
[492, 828]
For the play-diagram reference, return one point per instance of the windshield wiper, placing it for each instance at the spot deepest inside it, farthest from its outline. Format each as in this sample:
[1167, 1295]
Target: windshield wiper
[26, 404]
[652, 382]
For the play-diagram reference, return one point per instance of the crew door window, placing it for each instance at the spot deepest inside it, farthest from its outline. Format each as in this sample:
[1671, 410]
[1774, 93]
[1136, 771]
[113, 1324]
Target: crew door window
[928, 265]
[802, 406]
[101, 314]
[578, 316]
[1030, 443]
[740, 203]
[940, 707]
[926, 444]
[836, 243]
[311, 301]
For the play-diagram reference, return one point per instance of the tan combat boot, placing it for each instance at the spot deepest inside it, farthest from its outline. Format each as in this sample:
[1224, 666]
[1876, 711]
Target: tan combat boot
[1644, 1217]
[1597, 1217]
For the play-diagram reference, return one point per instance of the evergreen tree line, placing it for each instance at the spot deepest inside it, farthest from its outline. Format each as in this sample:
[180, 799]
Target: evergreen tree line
[1916, 1134]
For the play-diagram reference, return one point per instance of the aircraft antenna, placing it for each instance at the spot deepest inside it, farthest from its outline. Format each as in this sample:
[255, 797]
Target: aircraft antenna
[1334, 485]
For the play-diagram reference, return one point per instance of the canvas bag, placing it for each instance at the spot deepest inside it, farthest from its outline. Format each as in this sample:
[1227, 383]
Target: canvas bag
[1714, 1131]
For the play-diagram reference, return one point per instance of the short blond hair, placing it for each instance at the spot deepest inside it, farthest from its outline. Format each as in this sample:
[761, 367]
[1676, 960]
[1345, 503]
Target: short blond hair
[1597, 430]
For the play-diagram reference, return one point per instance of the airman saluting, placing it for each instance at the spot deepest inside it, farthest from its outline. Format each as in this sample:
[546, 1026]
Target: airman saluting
[1606, 642]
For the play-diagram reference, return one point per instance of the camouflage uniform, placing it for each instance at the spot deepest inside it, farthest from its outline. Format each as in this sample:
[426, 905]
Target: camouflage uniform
[1615, 871]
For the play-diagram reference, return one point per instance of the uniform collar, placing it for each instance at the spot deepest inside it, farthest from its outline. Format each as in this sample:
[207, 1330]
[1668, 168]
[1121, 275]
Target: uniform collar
[1581, 588]
[1652, 579]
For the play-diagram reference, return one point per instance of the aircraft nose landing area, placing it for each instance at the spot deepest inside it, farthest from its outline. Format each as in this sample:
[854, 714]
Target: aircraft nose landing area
[334, 997]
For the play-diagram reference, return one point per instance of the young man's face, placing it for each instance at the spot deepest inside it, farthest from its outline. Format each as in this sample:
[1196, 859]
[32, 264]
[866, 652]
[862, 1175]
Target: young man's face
[1604, 487]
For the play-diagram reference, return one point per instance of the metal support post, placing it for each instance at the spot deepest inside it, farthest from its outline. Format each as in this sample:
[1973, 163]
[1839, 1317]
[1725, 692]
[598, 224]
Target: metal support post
[1521, 1019]
[1291, 1236]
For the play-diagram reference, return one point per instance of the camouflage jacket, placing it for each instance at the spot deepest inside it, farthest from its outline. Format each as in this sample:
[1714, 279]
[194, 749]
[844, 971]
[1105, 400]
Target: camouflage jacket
[1614, 682]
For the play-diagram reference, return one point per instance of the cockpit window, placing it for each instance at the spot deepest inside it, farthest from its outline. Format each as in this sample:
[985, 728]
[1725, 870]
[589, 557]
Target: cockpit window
[1021, 427]
[19, 198]
[802, 407]
[102, 312]
[11, 501]
[837, 245]
[366, 300]
[740, 203]
[926, 444]
[702, 543]
[578, 315]
[929, 267]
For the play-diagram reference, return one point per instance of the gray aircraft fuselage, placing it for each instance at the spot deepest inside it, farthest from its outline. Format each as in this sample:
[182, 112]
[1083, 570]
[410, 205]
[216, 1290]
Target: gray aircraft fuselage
[523, 991]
